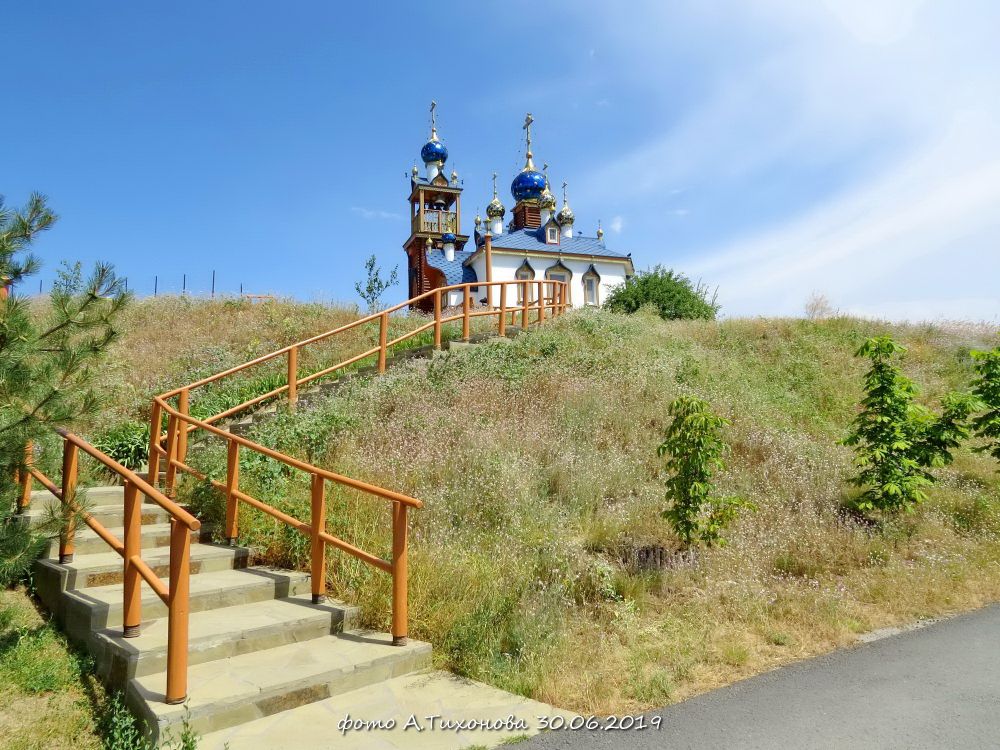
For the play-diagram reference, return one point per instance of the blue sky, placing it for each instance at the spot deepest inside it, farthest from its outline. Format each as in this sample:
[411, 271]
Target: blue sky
[774, 149]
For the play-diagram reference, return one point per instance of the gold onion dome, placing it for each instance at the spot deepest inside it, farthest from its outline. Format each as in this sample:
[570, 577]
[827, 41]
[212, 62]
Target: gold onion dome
[547, 200]
[495, 209]
[565, 215]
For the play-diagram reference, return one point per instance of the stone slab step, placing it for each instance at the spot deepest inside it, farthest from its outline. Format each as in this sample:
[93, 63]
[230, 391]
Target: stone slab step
[95, 495]
[221, 633]
[100, 607]
[108, 514]
[103, 568]
[152, 535]
[315, 725]
[251, 686]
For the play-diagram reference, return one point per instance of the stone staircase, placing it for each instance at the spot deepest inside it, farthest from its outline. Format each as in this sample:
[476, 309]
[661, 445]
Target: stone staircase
[258, 645]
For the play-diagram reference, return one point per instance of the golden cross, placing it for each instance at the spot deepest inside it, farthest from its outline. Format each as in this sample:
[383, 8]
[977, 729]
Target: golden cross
[528, 119]
[564, 192]
[494, 184]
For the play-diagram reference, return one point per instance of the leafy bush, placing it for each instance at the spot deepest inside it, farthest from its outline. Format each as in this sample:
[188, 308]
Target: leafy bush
[987, 388]
[694, 448]
[672, 294]
[127, 443]
[895, 440]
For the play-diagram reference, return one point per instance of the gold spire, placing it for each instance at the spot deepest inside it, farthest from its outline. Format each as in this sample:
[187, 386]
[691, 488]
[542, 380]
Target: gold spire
[434, 131]
[600, 232]
[528, 163]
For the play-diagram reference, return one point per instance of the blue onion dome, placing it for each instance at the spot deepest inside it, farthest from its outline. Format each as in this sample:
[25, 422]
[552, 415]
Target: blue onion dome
[447, 237]
[495, 209]
[528, 185]
[433, 151]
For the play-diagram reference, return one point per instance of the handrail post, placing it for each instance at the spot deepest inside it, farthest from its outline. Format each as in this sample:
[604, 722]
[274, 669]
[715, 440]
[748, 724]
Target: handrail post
[399, 574]
[318, 523]
[178, 608]
[466, 300]
[155, 417]
[502, 325]
[524, 304]
[24, 500]
[132, 604]
[183, 406]
[172, 428]
[437, 319]
[293, 377]
[232, 484]
[541, 302]
[383, 336]
[70, 466]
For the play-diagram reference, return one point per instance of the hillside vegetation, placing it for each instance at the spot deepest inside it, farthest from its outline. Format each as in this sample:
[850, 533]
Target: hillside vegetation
[536, 460]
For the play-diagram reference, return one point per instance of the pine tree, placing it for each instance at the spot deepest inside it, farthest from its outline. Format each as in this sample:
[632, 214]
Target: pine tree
[47, 353]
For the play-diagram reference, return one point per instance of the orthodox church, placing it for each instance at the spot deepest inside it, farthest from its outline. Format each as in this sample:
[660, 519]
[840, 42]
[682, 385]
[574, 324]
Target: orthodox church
[537, 243]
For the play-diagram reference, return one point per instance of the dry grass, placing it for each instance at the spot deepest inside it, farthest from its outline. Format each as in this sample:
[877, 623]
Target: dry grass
[536, 461]
[46, 696]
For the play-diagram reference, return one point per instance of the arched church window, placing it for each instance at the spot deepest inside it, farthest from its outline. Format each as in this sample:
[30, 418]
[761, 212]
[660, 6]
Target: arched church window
[591, 287]
[524, 273]
[559, 272]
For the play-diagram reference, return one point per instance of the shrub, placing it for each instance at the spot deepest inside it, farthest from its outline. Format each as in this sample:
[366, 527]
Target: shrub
[127, 443]
[987, 388]
[672, 294]
[695, 448]
[895, 441]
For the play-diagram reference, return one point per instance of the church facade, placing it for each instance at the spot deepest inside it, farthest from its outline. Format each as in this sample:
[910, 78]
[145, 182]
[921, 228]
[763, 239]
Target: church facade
[537, 243]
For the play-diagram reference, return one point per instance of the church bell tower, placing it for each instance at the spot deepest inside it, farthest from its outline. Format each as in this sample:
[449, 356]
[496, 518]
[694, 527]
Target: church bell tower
[435, 214]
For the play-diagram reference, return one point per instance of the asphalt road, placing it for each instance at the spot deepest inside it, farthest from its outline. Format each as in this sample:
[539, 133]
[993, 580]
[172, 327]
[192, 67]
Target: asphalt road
[934, 687]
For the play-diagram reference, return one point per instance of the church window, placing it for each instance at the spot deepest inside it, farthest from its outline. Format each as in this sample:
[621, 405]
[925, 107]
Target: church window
[591, 287]
[524, 273]
[559, 272]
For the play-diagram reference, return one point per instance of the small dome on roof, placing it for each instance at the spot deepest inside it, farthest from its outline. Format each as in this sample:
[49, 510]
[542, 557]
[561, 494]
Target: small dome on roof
[547, 200]
[447, 237]
[433, 151]
[528, 185]
[495, 209]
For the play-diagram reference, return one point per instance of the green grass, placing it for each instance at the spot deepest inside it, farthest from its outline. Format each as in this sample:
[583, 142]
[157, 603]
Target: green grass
[48, 696]
[536, 460]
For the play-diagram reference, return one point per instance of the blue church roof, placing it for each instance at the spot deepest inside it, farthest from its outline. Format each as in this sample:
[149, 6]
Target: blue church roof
[534, 239]
[454, 270]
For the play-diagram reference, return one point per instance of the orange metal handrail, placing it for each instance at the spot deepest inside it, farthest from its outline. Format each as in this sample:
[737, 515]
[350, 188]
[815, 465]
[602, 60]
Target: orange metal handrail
[544, 295]
[180, 423]
[182, 523]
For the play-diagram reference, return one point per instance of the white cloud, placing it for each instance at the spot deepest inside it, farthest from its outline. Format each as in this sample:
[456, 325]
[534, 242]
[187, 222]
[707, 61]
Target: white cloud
[898, 102]
[617, 222]
[372, 213]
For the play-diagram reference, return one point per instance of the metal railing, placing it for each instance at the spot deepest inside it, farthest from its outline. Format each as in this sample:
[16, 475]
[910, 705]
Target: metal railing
[182, 523]
[550, 300]
[435, 221]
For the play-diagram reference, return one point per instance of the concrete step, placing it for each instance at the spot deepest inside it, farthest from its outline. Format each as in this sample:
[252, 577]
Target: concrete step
[250, 686]
[104, 495]
[152, 535]
[103, 568]
[100, 607]
[107, 515]
[313, 726]
[217, 634]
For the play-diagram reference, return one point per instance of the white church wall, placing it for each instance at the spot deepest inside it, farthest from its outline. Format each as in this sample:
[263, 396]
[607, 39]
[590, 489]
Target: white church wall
[505, 269]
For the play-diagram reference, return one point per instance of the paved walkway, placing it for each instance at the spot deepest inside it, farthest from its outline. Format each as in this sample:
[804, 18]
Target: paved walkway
[934, 687]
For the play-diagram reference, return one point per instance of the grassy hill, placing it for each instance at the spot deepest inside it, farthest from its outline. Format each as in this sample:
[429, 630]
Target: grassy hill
[537, 462]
